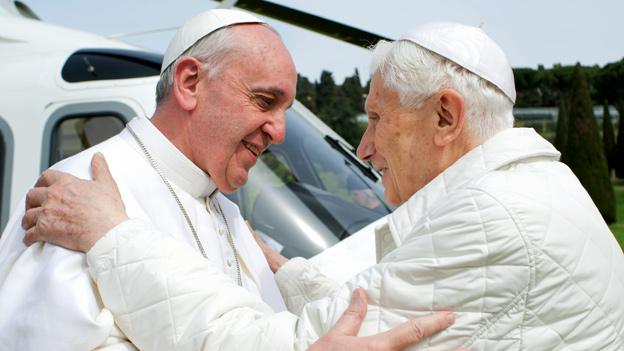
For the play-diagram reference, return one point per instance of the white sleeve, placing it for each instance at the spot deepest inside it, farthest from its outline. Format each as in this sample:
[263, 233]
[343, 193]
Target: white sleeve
[48, 300]
[300, 282]
[165, 296]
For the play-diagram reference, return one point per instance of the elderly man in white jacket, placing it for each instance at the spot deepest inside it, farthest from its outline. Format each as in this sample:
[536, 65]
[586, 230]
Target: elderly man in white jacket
[489, 224]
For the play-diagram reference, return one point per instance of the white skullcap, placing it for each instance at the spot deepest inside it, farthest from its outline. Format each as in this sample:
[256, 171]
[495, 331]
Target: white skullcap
[470, 48]
[199, 27]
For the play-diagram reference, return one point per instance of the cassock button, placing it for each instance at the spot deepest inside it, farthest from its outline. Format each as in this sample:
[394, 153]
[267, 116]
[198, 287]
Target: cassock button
[229, 262]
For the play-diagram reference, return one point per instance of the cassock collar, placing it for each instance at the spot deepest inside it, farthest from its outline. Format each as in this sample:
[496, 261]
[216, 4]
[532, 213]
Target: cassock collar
[175, 166]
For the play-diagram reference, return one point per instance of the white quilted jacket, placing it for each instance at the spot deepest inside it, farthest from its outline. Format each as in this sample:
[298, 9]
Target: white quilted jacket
[506, 237]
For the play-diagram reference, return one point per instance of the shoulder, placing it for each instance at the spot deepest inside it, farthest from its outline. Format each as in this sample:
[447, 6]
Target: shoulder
[115, 151]
[531, 193]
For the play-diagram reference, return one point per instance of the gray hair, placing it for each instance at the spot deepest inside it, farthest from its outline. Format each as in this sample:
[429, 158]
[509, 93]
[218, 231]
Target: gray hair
[416, 73]
[213, 50]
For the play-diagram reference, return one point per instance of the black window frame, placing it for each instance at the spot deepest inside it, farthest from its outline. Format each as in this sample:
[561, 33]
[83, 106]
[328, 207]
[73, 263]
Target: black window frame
[6, 173]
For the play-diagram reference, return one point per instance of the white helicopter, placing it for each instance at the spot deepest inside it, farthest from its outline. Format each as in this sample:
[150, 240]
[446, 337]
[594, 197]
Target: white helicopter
[62, 91]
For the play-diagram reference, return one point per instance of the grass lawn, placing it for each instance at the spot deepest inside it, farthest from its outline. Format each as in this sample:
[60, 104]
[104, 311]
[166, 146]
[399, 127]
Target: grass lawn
[618, 227]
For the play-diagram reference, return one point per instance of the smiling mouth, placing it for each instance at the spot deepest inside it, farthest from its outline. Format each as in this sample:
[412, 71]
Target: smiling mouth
[254, 150]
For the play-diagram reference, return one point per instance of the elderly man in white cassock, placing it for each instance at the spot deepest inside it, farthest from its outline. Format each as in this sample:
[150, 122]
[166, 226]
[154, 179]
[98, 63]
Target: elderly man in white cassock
[489, 224]
[226, 82]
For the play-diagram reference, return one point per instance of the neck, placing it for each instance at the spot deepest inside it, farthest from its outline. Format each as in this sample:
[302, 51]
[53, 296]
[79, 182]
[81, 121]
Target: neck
[456, 150]
[172, 126]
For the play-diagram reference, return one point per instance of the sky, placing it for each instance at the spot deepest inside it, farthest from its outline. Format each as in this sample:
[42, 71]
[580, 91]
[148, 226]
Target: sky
[531, 32]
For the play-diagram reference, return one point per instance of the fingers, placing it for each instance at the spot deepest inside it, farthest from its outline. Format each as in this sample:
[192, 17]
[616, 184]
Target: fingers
[30, 217]
[351, 320]
[415, 330]
[99, 168]
[36, 197]
[32, 236]
[48, 178]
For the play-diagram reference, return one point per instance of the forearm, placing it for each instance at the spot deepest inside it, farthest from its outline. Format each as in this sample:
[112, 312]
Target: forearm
[165, 296]
[300, 282]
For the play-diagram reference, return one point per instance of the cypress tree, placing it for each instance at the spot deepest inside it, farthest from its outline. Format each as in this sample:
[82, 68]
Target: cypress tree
[608, 138]
[561, 136]
[585, 154]
[619, 148]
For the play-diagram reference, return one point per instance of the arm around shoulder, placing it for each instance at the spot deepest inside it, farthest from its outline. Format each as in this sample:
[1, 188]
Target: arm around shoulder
[166, 296]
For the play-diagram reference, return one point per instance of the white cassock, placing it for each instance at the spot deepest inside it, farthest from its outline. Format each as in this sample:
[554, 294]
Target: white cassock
[48, 300]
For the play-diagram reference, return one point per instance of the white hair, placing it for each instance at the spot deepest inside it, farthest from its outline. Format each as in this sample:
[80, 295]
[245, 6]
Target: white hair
[416, 73]
[213, 50]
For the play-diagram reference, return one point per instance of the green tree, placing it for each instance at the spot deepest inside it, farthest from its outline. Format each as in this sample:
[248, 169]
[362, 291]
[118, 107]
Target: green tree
[610, 86]
[608, 138]
[527, 87]
[619, 147]
[306, 93]
[585, 154]
[354, 93]
[561, 136]
[334, 109]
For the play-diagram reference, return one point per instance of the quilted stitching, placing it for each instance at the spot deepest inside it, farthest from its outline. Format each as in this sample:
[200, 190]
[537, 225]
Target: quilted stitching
[519, 253]
[540, 197]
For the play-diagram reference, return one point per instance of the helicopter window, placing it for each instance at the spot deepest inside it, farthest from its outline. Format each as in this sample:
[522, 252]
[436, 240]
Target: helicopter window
[99, 64]
[274, 171]
[74, 134]
[339, 178]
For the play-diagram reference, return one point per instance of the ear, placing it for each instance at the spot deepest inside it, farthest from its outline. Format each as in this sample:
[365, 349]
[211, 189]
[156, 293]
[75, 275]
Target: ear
[186, 77]
[451, 117]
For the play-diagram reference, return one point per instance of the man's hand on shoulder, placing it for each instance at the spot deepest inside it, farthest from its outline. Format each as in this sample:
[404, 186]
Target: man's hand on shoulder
[70, 212]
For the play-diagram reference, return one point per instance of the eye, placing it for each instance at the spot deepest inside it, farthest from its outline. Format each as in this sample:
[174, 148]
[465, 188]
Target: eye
[373, 117]
[265, 101]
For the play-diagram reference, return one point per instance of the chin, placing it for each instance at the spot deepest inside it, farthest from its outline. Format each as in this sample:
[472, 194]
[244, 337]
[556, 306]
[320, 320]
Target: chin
[235, 184]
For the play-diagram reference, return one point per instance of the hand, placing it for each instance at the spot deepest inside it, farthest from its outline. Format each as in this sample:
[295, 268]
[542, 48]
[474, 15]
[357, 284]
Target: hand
[274, 258]
[343, 336]
[70, 212]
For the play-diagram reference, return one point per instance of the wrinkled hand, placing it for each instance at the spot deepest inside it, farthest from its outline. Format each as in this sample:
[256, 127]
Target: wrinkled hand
[343, 336]
[274, 258]
[71, 212]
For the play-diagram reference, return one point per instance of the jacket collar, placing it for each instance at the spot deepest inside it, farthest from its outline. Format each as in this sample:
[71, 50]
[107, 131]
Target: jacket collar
[508, 146]
[172, 163]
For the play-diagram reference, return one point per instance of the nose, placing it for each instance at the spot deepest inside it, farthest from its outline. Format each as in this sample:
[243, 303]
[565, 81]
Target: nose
[366, 149]
[276, 129]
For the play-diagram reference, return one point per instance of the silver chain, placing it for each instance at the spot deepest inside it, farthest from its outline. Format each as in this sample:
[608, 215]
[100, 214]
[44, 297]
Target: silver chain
[154, 164]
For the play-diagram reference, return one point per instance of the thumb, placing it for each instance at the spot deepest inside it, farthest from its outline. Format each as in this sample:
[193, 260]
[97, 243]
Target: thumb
[351, 321]
[99, 168]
